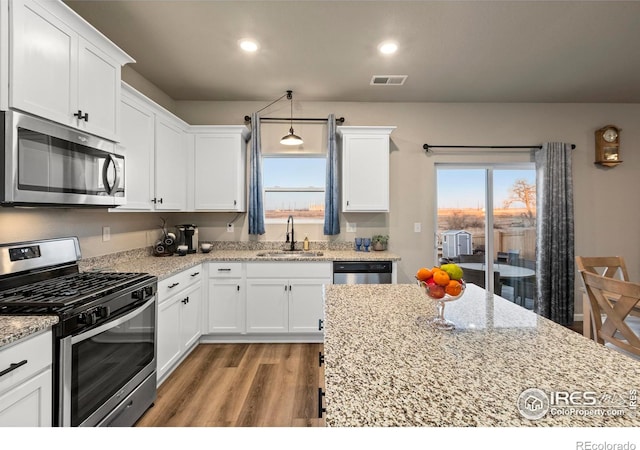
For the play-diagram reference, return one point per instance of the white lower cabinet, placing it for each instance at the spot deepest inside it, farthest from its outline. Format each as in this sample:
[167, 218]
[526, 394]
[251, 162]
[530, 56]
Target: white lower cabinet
[291, 304]
[267, 306]
[179, 318]
[226, 298]
[26, 389]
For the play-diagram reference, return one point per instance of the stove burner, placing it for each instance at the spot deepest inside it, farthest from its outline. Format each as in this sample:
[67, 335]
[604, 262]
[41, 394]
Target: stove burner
[64, 291]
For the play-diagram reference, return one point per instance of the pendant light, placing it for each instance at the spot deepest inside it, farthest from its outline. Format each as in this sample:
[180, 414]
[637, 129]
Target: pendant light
[291, 138]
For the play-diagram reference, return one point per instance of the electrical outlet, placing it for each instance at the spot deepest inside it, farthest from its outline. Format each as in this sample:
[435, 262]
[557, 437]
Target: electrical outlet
[417, 227]
[229, 228]
[106, 234]
[351, 227]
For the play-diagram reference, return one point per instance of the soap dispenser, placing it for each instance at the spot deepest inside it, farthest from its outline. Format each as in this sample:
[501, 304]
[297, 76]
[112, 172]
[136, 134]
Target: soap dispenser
[305, 245]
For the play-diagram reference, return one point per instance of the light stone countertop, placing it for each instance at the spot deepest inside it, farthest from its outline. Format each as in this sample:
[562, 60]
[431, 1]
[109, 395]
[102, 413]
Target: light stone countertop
[13, 328]
[165, 266]
[386, 367]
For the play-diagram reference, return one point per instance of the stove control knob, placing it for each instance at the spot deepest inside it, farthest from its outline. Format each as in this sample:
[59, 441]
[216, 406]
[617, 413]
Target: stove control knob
[138, 295]
[148, 290]
[88, 318]
[104, 312]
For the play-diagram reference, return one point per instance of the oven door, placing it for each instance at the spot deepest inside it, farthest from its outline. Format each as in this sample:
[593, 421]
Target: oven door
[102, 367]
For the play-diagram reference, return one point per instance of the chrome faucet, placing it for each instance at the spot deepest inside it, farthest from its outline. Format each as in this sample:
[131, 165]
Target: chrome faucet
[293, 242]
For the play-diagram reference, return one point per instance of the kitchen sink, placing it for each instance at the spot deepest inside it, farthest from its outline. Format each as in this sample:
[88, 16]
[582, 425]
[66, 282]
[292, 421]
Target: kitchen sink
[284, 254]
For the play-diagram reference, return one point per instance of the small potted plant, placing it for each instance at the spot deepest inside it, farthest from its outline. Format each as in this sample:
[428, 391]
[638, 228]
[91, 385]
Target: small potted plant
[379, 242]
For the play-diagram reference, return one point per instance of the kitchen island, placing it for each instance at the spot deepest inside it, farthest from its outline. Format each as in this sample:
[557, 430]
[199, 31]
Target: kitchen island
[384, 366]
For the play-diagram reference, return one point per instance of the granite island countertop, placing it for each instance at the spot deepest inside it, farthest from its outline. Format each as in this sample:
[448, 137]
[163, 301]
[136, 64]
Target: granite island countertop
[384, 366]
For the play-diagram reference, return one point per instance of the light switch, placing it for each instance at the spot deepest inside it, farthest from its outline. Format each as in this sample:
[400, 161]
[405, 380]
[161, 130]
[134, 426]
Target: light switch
[106, 234]
[351, 227]
[417, 227]
[229, 228]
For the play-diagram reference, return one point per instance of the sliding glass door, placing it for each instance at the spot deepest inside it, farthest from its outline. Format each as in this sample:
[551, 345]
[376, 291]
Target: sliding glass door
[486, 222]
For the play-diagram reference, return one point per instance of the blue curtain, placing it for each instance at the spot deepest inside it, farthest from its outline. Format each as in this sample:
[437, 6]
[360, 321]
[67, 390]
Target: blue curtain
[256, 206]
[555, 233]
[331, 198]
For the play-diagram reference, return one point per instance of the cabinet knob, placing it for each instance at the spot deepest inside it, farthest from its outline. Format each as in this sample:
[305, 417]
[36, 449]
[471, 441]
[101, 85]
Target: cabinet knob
[80, 116]
[171, 286]
[320, 359]
[195, 274]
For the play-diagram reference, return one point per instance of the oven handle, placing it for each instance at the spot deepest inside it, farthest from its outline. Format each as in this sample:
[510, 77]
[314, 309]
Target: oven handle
[111, 324]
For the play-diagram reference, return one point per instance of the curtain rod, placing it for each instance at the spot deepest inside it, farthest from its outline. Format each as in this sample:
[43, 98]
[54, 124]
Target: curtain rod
[427, 147]
[295, 119]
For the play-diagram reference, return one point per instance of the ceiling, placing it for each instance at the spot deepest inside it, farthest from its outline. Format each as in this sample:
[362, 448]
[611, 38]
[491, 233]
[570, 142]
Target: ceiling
[451, 51]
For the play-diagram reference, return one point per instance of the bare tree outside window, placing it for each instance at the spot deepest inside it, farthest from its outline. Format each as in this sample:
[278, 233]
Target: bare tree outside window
[523, 193]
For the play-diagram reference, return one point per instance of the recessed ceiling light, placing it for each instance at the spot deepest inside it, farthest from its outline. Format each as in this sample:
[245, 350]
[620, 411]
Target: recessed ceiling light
[248, 45]
[388, 48]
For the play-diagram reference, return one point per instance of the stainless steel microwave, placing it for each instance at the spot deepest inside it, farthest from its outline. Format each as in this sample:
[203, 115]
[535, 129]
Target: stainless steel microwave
[48, 164]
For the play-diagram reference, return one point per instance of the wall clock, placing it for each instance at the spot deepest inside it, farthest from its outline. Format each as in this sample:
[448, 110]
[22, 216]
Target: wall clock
[608, 146]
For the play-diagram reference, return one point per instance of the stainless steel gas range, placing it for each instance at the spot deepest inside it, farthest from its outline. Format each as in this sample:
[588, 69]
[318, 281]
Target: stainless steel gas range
[104, 345]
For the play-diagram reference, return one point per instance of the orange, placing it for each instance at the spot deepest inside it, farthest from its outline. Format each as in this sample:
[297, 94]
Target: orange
[453, 288]
[441, 277]
[423, 274]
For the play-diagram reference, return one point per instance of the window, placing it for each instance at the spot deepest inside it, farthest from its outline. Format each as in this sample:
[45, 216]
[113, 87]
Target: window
[486, 219]
[294, 185]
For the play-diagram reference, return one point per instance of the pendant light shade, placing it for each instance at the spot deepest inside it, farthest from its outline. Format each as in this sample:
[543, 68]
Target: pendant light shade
[291, 138]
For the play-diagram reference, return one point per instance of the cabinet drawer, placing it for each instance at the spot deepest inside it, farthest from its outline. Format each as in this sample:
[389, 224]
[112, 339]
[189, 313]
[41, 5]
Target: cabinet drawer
[35, 350]
[225, 270]
[178, 282]
[289, 270]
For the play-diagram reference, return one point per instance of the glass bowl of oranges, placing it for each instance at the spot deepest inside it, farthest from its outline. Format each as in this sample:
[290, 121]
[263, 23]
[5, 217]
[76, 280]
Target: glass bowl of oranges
[442, 284]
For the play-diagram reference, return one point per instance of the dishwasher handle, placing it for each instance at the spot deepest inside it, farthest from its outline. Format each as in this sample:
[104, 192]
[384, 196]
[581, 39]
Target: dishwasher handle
[362, 267]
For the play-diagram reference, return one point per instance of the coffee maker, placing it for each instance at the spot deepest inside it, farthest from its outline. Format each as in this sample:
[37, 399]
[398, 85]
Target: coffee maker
[188, 235]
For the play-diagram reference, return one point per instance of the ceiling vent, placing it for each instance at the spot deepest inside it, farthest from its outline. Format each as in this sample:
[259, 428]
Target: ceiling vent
[388, 80]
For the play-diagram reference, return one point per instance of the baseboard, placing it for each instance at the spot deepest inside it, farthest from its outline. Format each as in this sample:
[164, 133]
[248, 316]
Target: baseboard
[301, 338]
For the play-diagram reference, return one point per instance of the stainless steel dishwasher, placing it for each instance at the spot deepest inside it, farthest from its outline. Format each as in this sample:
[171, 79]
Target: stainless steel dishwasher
[362, 272]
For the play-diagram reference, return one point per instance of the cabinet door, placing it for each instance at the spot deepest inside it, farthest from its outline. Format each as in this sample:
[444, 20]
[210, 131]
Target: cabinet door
[136, 144]
[169, 344]
[226, 311]
[190, 316]
[28, 404]
[98, 91]
[171, 166]
[306, 305]
[43, 63]
[219, 172]
[365, 173]
[267, 306]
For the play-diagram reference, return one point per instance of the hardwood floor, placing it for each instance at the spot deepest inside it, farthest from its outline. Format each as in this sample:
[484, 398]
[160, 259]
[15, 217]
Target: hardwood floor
[241, 385]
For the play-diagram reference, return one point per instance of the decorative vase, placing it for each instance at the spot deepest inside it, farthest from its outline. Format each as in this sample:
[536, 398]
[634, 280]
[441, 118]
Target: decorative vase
[379, 246]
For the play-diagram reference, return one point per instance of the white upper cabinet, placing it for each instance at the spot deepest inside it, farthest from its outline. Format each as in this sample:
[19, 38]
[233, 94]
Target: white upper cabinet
[62, 69]
[365, 168]
[137, 142]
[154, 144]
[220, 167]
[171, 163]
